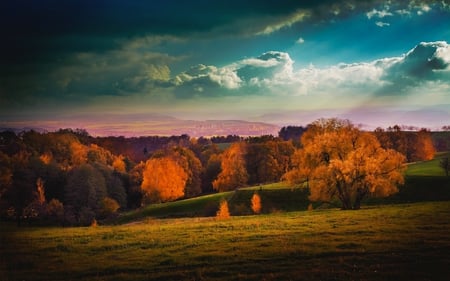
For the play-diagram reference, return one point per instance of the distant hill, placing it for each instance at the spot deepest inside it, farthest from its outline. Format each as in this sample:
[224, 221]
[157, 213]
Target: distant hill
[148, 125]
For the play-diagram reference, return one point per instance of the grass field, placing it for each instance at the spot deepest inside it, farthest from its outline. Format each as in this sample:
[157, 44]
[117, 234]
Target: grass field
[391, 242]
[403, 237]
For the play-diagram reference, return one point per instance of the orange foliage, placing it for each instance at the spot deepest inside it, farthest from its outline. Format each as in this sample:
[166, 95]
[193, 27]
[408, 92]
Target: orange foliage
[339, 161]
[119, 164]
[78, 153]
[163, 180]
[223, 212]
[424, 147]
[46, 158]
[234, 173]
[256, 203]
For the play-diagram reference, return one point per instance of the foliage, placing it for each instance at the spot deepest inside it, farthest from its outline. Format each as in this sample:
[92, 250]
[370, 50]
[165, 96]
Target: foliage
[86, 188]
[233, 172]
[191, 166]
[339, 161]
[163, 180]
[223, 212]
[108, 207]
[267, 161]
[40, 172]
[256, 203]
[416, 146]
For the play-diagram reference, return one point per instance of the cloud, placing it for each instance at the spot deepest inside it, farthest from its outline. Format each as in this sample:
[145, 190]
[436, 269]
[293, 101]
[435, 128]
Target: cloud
[427, 62]
[284, 22]
[382, 24]
[273, 73]
[300, 40]
[378, 14]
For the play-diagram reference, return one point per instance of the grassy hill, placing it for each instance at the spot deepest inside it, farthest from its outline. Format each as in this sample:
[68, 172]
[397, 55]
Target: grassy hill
[424, 181]
[389, 242]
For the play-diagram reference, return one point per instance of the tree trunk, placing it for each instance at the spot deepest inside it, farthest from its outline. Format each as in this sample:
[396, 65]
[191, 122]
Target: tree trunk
[346, 203]
[360, 193]
[357, 204]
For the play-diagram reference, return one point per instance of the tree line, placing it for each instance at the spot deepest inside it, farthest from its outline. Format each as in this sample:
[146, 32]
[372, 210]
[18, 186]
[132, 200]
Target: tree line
[71, 178]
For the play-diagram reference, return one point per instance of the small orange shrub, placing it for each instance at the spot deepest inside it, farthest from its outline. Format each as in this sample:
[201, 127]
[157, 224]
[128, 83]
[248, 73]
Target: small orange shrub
[94, 223]
[256, 203]
[223, 212]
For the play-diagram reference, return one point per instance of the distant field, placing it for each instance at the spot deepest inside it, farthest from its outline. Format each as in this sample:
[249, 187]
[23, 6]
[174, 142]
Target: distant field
[391, 242]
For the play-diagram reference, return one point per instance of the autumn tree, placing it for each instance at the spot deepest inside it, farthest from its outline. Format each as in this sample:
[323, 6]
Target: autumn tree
[256, 203]
[191, 166]
[424, 148]
[337, 160]
[223, 212]
[163, 180]
[233, 171]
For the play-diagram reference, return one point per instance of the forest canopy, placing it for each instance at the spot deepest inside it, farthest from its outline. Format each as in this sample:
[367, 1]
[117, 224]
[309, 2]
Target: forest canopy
[69, 177]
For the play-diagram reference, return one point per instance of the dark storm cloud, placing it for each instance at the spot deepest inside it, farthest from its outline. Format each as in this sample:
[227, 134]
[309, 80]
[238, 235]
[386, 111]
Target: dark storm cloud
[42, 40]
[33, 29]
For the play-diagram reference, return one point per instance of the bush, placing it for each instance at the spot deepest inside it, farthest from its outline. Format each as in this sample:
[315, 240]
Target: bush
[108, 207]
[256, 203]
[223, 212]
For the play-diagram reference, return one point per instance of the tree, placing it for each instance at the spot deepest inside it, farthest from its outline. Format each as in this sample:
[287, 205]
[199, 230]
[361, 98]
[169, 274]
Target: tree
[268, 161]
[192, 167]
[86, 188]
[424, 148]
[233, 171]
[223, 212]
[211, 172]
[108, 207]
[163, 180]
[339, 161]
[256, 203]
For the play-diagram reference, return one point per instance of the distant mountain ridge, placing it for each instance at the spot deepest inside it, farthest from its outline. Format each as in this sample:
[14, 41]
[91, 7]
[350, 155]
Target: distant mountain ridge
[151, 125]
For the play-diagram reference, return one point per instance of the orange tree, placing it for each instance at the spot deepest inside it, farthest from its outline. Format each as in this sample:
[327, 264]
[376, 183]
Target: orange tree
[233, 172]
[337, 160]
[163, 180]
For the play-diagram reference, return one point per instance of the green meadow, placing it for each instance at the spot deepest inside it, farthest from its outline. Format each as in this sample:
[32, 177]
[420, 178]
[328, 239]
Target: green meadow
[404, 237]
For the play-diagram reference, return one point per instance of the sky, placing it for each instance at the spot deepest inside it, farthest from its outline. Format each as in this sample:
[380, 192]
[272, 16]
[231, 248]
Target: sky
[91, 64]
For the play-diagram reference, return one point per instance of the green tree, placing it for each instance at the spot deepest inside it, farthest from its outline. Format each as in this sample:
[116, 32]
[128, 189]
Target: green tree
[86, 188]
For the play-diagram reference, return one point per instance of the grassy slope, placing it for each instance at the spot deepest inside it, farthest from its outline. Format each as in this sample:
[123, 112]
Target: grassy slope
[390, 242]
[424, 181]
